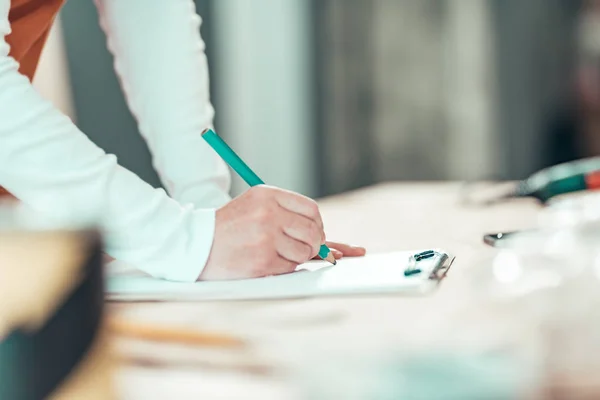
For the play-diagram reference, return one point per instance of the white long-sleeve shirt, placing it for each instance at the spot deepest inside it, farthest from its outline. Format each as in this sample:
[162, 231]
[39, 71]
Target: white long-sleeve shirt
[51, 166]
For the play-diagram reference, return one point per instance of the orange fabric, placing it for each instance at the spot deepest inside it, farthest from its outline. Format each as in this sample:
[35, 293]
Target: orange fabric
[592, 180]
[30, 22]
[5, 194]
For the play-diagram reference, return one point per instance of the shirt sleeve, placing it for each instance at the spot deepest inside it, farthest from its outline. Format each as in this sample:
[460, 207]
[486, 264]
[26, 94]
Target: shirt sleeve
[55, 169]
[160, 61]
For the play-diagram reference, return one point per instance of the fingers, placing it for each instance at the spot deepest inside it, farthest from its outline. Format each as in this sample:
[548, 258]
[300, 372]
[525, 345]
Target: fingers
[337, 254]
[299, 204]
[265, 231]
[304, 230]
[287, 200]
[293, 250]
[346, 249]
[284, 266]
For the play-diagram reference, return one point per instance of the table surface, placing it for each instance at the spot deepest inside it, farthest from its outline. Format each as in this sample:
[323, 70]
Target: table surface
[387, 217]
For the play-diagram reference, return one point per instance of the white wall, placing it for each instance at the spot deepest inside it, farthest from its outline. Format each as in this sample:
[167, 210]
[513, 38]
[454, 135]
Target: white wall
[474, 149]
[262, 50]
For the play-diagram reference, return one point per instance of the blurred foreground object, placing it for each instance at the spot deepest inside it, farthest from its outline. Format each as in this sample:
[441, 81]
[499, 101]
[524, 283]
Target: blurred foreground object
[527, 328]
[464, 364]
[52, 341]
[548, 285]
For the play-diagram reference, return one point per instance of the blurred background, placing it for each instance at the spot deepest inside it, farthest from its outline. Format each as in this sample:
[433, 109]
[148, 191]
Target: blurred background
[341, 94]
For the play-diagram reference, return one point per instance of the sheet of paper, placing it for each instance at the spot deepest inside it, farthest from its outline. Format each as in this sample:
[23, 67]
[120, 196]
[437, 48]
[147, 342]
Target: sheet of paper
[377, 273]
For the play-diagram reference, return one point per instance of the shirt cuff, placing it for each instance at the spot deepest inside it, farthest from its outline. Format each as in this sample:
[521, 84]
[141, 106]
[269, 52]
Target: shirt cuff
[183, 256]
[197, 249]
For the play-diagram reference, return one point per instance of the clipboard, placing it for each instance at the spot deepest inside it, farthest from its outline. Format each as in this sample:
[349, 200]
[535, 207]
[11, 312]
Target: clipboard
[382, 273]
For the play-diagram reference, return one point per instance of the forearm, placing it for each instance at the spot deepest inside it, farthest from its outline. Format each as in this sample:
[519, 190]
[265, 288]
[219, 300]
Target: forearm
[52, 167]
[159, 57]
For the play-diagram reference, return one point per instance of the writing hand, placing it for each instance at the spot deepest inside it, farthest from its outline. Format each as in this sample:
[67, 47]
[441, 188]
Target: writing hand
[265, 231]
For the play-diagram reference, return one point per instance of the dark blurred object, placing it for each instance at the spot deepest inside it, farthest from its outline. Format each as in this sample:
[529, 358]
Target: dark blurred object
[52, 343]
[562, 140]
[498, 239]
[575, 132]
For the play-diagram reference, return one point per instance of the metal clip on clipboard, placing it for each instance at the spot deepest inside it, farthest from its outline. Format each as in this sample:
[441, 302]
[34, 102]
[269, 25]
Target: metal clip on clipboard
[432, 265]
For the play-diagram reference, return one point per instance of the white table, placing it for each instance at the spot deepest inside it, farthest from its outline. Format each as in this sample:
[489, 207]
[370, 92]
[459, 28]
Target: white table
[382, 218]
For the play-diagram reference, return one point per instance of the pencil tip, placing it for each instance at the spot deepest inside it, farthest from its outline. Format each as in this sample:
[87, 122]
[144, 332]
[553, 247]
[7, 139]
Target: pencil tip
[331, 258]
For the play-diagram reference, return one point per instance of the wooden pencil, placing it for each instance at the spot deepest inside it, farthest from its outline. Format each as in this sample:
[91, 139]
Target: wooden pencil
[157, 333]
[246, 173]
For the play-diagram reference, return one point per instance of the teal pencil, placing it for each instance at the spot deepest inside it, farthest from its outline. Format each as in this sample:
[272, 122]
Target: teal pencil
[244, 171]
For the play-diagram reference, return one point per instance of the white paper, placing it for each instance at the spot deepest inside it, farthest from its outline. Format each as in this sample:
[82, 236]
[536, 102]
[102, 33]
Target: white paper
[377, 273]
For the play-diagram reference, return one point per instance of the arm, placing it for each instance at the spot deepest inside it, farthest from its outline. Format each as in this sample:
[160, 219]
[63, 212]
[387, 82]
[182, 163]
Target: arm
[52, 167]
[160, 60]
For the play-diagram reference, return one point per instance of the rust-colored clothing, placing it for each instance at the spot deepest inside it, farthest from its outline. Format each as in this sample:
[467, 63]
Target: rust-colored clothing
[30, 22]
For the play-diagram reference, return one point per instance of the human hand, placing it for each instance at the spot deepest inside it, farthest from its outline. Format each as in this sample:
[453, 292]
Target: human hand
[340, 250]
[265, 231]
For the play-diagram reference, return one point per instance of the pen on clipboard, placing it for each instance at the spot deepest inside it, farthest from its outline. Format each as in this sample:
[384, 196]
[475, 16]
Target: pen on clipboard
[157, 333]
[244, 171]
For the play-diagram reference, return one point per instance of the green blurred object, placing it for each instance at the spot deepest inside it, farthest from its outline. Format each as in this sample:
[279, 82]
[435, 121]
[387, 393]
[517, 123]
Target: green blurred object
[561, 179]
[544, 185]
